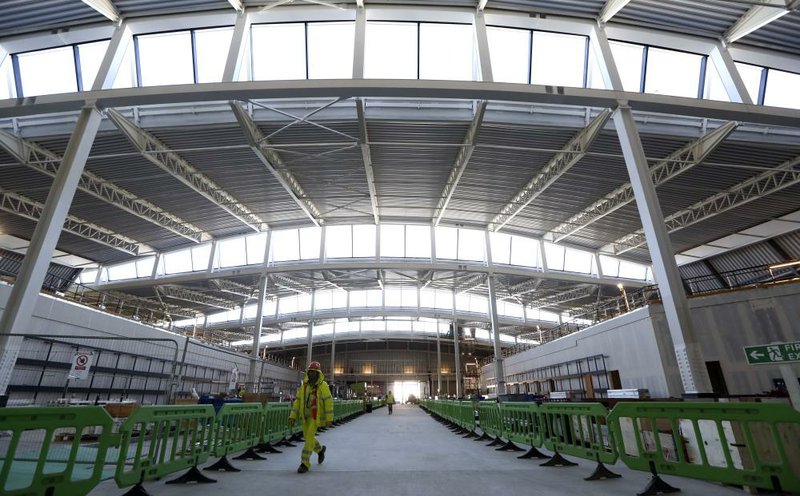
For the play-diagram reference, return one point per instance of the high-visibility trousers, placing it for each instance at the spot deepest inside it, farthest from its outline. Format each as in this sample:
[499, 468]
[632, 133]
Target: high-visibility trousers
[311, 443]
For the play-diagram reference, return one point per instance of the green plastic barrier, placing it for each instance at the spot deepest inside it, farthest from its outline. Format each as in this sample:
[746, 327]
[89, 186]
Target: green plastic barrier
[159, 440]
[276, 421]
[489, 418]
[521, 422]
[465, 416]
[34, 465]
[734, 443]
[237, 427]
[578, 429]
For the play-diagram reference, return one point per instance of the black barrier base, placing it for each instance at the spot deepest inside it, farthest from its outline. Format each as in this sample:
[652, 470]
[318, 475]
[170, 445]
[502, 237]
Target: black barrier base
[469, 434]
[601, 472]
[268, 448]
[533, 453]
[192, 475]
[484, 437]
[285, 442]
[296, 438]
[223, 465]
[137, 490]
[558, 461]
[497, 442]
[509, 446]
[250, 454]
[657, 486]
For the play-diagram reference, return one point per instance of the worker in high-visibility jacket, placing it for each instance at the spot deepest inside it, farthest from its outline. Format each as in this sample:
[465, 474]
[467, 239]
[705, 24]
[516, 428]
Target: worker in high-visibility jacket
[313, 406]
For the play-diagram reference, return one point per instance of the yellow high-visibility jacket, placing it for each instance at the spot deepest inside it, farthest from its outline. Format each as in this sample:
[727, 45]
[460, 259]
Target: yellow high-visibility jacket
[390, 399]
[301, 408]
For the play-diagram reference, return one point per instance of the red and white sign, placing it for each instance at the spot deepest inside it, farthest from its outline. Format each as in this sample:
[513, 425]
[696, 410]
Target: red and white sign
[81, 363]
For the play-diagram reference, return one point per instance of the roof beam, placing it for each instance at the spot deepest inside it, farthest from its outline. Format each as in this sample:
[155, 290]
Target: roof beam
[757, 17]
[165, 308]
[42, 160]
[193, 296]
[260, 146]
[157, 152]
[610, 9]
[665, 170]
[461, 162]
[104, 7]
[552, 171]
[482, 5]
[232, 287]
[367, 157]
[33, 210]
[766, 183]
[563, 297]
[238, 5]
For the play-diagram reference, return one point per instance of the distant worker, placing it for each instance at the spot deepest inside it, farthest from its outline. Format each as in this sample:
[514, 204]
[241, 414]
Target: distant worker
[240, 392]
[313, 405]
[389, 401]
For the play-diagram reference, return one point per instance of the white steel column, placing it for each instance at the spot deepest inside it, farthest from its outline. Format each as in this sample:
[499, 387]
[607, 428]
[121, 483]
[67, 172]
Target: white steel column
[731, 79]
[438, 363]
[500, 376]
[359, 43]
[482, 44]
[310, 331]
[114, 57]
[694, 374]
[332, 374]
[456, 351]
[262, 296]
[24, 294]
[238, 48]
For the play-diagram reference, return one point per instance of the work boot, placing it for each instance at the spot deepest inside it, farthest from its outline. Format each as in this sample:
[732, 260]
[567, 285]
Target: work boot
[302, 469]
[321, 455]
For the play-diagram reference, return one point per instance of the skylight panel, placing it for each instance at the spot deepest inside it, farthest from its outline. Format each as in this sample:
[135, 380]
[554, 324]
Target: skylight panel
[165, 58]
[782, 89]
[628, 59]
[509, 50]
[211, 46]
[279, 51]
[446, 52]
[391, 50]
[46, 72]
[558, 59]
[751, 75]
[330, 50]
[91, 57]
[673, 73]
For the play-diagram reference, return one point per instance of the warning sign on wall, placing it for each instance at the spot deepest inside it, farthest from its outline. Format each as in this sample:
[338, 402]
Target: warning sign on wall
[81, 362]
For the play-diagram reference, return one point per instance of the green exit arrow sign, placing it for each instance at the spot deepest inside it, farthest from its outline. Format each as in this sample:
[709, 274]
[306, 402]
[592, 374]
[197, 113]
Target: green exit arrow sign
[773, 353]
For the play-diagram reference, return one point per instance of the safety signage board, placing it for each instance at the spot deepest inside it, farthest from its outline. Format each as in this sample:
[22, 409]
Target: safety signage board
[81, 363]
[773, 353]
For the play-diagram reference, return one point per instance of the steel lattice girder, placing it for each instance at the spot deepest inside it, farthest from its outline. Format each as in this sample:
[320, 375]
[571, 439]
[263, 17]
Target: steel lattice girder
[156, 152]
[147, 304]
[367, 157]
[193, 296]
[232, 287]
[563, 297]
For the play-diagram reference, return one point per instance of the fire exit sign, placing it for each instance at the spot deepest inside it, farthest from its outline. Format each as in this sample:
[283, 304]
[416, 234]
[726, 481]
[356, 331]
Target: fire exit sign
[773, 353]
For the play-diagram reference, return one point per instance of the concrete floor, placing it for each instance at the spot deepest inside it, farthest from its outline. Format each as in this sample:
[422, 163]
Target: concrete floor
[408, 454]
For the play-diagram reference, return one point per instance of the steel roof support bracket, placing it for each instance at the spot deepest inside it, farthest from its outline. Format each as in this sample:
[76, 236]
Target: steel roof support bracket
[757, 17]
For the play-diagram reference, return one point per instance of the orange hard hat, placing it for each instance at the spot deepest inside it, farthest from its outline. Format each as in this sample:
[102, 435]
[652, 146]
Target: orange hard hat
[314, 366]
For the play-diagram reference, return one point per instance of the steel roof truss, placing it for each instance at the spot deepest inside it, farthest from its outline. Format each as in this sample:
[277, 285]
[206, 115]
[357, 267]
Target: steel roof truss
[197, 297]
[366, 155]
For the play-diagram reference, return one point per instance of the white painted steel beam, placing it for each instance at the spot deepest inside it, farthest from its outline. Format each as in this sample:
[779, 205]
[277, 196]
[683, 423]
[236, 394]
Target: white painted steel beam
[500, 376]
[563, 297]
[105, 7]
[233, 288]
[42, 160]
[694, 374]
[144, 303]
[366, 156]
[757, 17]
[729, 74]
[193, 296]
[766, 183]
[460, 163]
[114, 57]
[558, 165]
[665, 170]
[238, 5]
[274, 164]
[159, 154]
[238, 47]
[262, 296]
[610, 9]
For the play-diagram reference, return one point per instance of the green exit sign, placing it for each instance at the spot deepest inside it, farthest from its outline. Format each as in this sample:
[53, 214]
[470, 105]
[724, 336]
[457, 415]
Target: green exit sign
[773, 353]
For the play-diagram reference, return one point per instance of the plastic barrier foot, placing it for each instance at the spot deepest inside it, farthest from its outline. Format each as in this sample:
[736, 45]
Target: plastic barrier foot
[484, 437]
[469, 434]
[192, 475]
[223, 465]
[602, 472]
[497, 442]
[296, 438]
[268, 448]
[285, 442]
[533, 453]
[137, 490]
[509, 446]
[558, 461]
[657, 486]
[250, 454]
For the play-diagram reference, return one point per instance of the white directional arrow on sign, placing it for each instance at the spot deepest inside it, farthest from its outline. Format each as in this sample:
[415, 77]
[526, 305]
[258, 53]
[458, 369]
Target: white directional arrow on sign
[756, 355]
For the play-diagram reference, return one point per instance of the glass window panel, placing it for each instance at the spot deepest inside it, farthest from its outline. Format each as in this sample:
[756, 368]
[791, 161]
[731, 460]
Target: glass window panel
[256, 246]
[392, 240]
[304, 303]
[363, 241]
[126, 75]
[323, 329]
[394, 297]
[507, 339]
[178, 261]
[46, 72]
[446, 243]
[287, 305]
[501, 247]
[358, 299]
[212, 52]
[122, 271]
[751, 75]
[250, 311]
[714, 88]
[462, 302]
[594, 79]
[299, 333]
[232, 252]
[482, 334]
[478, 304]
[628, 58]
[418, 241]
[610, 266]
[339, 242]
[88, 276]
[578, 261]
[672, 73]
[509, 50]
[374, 298]
[339, 299]
[391, 50]
[330, 50]
[373, 326]
[558, 59]
[471, 245]
[783, 89]
[446, 52]
[344, 325]
[165, 58]
[310, 238]
[444, 299]
[630, 270]
[7, 83]
[409, 297]
[399, 325]
[285, 245]
[288, 62]
[91, 56]
[525, 252]
[554, 254]
[200, 256]
[323, 300]
[144, 267]
[271, 307]
[427, 298]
